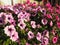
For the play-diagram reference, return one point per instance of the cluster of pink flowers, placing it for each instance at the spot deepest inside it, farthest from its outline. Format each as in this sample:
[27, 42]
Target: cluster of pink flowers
[11, 32]
[42, 37]
[31, 22]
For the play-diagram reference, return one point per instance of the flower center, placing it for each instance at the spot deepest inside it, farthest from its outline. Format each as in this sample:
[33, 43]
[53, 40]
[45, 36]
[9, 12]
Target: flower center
[10, 29]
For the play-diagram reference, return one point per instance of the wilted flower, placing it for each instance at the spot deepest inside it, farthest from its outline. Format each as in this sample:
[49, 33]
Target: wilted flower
[44, 21]
[54, 40]
[30, 35]
[38, 36]
[33, 24]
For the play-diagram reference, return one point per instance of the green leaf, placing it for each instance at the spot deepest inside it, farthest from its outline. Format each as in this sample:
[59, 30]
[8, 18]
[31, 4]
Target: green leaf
[23, 42]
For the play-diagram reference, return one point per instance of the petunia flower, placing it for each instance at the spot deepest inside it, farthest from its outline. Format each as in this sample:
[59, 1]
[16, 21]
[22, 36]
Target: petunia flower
[48, 5]
[27, 43]
[30, 35]
[57, 18]
[49, 16]
[13, 22]
[9, 30]
[9, 17]
[51, 23]
[54, 40]
[53, 32]
[14, 36]
[1, 21]
[46, 33]
[46, 41]
[33, 24]
[38, 36]
[22, 25]
[43, 11]
[38, 26]
[44, 21]
[58, 24]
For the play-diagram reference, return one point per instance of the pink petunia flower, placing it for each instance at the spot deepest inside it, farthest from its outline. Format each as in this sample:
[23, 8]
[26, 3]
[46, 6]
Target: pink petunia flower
[12, 22]
[30, 35]
[34, 4]
[43, 11]
[9, 17]
[53, 32]
[57, 18]
[8, 7]
[58, 24]
[46, 33]
[22, 25]
[27, 43]
[51, 23]
[49, 16]
[24, 16]
[38, 26]
[54, 39]
[33, 24]
[38, 36]
[3, 18]
[14, 36]
[44, 21]
[48, 5]
[21, 15]
[46, 41]
[9, 30]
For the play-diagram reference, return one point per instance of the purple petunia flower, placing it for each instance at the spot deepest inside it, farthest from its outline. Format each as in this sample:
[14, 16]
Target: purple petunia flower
[2, 18]
[1, 21]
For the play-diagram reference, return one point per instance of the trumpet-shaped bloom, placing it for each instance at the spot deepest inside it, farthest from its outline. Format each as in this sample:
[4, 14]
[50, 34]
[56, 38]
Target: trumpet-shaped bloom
[30, 35]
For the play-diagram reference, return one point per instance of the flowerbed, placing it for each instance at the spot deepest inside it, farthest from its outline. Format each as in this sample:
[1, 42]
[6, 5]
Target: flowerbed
[29, 24]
